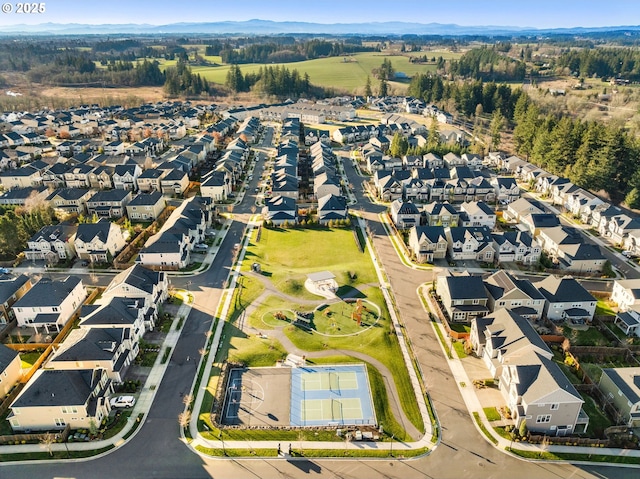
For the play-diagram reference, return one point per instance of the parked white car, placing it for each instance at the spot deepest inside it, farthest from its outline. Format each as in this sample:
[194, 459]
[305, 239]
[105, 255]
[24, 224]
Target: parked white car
[122, 401]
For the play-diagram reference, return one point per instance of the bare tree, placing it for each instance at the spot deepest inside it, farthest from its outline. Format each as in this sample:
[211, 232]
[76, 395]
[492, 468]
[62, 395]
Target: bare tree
[187, 399]
[184, 418]
[46, 441]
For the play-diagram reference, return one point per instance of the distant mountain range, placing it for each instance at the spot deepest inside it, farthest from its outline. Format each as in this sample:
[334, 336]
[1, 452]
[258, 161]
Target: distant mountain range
[267, 27]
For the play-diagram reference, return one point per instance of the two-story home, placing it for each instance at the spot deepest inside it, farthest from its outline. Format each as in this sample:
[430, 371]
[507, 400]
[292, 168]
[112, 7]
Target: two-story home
[99, 242]
[50, 304]
[12, 288]
[507, 189]
[146, 206]
[522, 207]
[149, 179]
[109, 203]
[280, 209]
[477, 213]
[136, 315]
[216, 185]
[441, 214]
[66, 201]
[516, 246]
[52, 243]
[125, 177]
[472, 243]
[53, 399]
[621, 386]
[10, 369]
[566, 299]
[566, 247]
[404, 214]
[428, 243]
[100, 177]
[626, 293]
[139, 282]
[174, 183]
[110, 349]
[332, 208]
[463, 297]
[517, 295]
[534, 387]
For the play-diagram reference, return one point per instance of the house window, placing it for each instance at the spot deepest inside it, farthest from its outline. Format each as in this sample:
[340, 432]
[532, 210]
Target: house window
[476, 301]
[543, 418]
[555, 406]
[501, 303]
[60, 422]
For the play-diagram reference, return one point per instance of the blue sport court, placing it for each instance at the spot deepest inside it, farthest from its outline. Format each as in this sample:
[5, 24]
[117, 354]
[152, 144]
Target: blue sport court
[331, 396]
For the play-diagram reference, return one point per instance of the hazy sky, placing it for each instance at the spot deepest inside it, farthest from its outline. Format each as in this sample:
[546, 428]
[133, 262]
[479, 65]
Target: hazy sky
[530, 13]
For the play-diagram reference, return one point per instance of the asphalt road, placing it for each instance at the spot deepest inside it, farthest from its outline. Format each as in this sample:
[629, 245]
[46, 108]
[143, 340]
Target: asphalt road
[156, 450]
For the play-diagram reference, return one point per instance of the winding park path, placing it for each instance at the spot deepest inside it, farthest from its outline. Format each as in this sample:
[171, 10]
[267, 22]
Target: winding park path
[278, 333]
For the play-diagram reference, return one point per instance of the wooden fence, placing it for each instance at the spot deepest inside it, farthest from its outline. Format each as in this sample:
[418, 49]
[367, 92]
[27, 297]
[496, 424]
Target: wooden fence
[60, 436]
[442, 315]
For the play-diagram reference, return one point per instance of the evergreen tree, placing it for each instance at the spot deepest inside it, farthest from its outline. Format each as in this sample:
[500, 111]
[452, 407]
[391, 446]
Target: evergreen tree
[384, 88]
[497, 123]
[367, 87]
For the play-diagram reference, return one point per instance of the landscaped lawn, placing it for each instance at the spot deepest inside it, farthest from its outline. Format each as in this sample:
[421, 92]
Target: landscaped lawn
[29, 359]
[292, 254]
[492, 414]
[598, 420]
[588, 337]
[288, 256]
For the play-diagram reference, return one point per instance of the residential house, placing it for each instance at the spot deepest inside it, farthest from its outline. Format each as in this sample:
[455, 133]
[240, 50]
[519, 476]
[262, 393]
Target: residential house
[54, 399]
[174, 183]
[477, 213]
[20, 196]
[99, 242]
[139, 282]
[626, 293]
[517, 295]
[441, 214]
[125, 177]
[149, 179]
[404, 214]
[280, 209]
[52, 243]
[507, 190]
[109, 203]
[146, 206]
[628, 322]
[332, 208]
[12, 288]
[78, 176]
[100, 177]
[566, 247]
[24, 177]
[566, 299]
[68, 201]
[463, 297]
[428, 243]
[522, 207]
[171, 247]
[54, 176]
[10, 369]
[621, 386]
[472, 243]
[110, 349]
[135, 315]
[534, 387]
[535, 222]
[50, 304]
[516, 246]
[326, 184]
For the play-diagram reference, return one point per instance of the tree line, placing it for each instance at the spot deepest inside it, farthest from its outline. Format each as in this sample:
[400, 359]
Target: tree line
[603, 62]
[277, 81]
[591, 154]
[279, 52]
[18, 224]
[487, 64]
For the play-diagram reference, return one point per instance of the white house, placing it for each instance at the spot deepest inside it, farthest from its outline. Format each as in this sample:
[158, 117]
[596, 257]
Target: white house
[99, 242]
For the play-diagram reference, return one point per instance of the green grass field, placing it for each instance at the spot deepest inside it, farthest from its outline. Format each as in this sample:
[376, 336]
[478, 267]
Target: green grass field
[343, 73]
[287, 256]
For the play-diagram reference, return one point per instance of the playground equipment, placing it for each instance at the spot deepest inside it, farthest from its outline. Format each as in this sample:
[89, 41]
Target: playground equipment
[357, 313]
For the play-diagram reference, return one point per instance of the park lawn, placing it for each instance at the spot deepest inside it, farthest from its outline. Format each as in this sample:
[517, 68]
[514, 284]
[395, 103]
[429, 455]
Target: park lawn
[377, 342]
[263, 316]
[288, 256]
